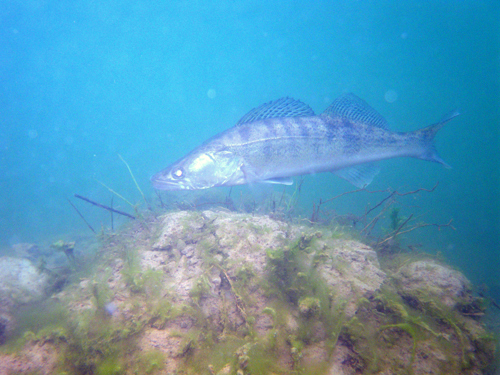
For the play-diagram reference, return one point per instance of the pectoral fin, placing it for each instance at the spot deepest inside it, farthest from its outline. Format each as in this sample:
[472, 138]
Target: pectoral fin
[281, 181]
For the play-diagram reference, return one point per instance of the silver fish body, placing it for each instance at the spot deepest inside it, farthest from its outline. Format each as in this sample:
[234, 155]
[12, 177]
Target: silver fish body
[282, 139]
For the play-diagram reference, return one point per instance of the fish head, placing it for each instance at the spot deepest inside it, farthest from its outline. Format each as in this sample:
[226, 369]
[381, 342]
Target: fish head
[200, 169]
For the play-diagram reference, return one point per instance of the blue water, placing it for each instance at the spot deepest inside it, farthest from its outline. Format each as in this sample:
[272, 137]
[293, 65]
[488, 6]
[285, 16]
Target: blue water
[82, 82]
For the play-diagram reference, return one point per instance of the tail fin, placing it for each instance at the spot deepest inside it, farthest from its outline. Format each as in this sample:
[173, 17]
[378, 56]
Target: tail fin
[426, 137]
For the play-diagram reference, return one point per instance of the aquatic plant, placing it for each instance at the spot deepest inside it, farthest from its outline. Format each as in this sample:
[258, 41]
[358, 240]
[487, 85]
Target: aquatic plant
[68, 248]
[200, 287]
[396, 220]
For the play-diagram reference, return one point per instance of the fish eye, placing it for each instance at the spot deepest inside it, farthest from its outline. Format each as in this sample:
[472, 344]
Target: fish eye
[179, 173]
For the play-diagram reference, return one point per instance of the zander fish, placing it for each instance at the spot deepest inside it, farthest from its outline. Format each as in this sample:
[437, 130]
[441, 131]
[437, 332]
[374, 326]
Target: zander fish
[284, 138]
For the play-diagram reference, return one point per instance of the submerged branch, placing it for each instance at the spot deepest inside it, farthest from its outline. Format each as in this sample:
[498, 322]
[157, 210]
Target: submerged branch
[79, 213]
[417, 226]
[105, 207]
[416, 191]
[385, 203]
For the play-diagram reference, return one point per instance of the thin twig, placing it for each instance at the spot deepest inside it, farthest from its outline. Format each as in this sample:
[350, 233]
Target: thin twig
[111, 212]
[315, 215]
[378, 204]
[430, 225]
[416, 191]
[417, 226]
[402, 225]
[79, 213]
[372, 223]
[345, 193]
[105, 207]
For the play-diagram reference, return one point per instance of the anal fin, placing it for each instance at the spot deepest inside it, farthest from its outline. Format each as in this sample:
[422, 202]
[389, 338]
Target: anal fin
[360, 175]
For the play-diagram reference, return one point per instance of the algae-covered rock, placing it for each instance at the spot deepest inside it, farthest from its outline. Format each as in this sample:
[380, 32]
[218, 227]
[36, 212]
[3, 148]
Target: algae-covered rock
[352, 270]
[34, 358]
[21, 281]
[218, 292]
[427, 279]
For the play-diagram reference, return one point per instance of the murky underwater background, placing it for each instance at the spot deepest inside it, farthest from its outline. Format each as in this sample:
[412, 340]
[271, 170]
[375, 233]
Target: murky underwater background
[83, 82]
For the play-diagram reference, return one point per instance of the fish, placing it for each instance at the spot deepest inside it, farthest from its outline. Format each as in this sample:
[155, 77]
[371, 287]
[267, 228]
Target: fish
[284, 138]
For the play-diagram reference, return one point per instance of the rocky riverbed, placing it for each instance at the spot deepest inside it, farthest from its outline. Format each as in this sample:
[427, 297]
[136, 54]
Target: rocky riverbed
[217, 292]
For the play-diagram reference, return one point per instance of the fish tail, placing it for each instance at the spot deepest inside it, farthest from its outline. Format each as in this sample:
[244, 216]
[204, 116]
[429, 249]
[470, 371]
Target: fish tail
[426, 139]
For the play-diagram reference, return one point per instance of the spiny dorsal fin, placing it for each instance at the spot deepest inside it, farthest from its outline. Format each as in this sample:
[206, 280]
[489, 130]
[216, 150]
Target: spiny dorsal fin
[350, 107]
[284, 107]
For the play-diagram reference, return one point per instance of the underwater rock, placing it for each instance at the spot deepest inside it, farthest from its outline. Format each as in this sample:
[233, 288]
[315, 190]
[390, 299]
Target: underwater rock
[21, 281]
[34, 358]
[426, 279]
[26, 250]
[353, 272]
[218, 292]
[6, 323]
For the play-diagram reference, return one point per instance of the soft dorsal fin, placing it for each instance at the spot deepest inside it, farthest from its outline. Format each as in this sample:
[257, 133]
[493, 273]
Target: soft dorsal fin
[284, 107]
[350, 107]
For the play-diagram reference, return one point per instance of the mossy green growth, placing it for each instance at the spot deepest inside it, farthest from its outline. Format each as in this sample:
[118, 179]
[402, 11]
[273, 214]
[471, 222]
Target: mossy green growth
[109, 366]
[44, 320]
[214, 354]
[293, 278]
[148, 282]
[271, 312]
[338, 231]
[131, 270]
[101, 294]
[258, 229]
[161, 311]
[150, 362]
[256, 359]
[244, 274]
[200, 287]
[89, 341]
[289, 269]
[438, 325]
[309, 307]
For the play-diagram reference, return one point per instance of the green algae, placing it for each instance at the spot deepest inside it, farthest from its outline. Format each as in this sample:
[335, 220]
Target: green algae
[150, 362]
[95, 343]
[200, 288]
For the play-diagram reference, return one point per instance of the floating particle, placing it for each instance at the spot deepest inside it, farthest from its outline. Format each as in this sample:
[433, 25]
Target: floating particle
[391, 96]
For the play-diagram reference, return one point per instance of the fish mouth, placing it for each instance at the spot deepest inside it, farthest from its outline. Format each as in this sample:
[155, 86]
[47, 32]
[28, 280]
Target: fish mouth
[160, 183]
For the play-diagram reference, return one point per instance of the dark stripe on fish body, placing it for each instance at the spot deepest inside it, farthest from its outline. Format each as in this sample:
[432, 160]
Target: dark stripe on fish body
[288, 128]
[267, 151]
[304, 129]
[244, 133]
[390, 140]
[268, 129]
[352, 140]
